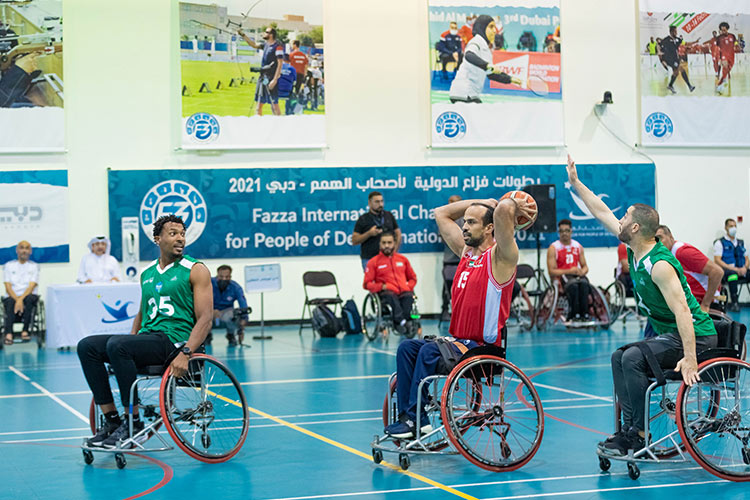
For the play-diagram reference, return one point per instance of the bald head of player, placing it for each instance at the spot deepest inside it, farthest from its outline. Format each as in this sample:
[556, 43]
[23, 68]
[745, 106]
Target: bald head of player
[478, 225]
[639, 224]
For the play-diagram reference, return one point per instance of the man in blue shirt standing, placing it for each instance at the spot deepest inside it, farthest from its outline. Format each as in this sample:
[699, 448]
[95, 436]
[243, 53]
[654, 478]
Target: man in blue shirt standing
[226, 291]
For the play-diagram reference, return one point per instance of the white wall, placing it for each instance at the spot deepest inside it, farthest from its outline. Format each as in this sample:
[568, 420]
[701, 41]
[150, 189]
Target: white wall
[122, 112]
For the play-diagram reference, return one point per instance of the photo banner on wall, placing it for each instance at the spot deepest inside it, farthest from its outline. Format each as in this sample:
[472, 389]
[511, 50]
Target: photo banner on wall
[285, 212]
[34, 207]
[495, 73]
[252, 74]
[694, 72]
[32, 114]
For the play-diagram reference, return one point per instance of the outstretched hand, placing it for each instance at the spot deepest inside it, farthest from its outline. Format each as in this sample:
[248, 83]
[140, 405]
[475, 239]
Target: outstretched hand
[572, 171]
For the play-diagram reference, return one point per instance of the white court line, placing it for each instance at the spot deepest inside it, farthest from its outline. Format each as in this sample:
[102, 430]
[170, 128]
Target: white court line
[555, 388]
[605, 490]
[38, 395]
[307, 380]
[14, 433]
[490, 483]
[52, 396]
[382, 351]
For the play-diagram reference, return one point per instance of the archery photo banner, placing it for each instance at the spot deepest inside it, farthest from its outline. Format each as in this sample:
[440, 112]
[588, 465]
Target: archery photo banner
[32, 113]
[252, 74]
[694, 72]
[495, 73]
[286, 212]
[34, 208]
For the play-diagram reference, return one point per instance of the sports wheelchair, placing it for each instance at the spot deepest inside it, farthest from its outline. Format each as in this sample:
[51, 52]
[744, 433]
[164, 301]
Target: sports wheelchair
[709, 420]
[485, 408]
[554, 308]
[377, 319]
[204, 412]
[37, 327]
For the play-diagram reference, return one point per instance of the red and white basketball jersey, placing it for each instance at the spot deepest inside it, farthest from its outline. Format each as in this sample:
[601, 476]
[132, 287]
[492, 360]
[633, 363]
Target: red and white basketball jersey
[693, 261]
[567, 256]
[480, 304]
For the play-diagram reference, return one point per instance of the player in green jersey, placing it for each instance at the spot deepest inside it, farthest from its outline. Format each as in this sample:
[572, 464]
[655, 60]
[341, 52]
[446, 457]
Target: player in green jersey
[175, 313]
[662, 294]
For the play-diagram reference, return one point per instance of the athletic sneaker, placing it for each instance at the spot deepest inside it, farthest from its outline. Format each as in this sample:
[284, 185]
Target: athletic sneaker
[102, 434]
[692, 87]
[611, 438]
[630, 440]
[406, 429]
[123, 432]
[231, 339]
[671, 89]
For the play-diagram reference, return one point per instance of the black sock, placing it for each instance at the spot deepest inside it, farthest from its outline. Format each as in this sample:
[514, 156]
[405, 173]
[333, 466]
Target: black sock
[685, 77]
[112, 416]
[671, 80]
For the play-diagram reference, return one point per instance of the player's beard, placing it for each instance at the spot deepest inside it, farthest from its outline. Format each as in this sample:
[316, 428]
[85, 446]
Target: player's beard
[387, 252]
[473, 242]
[625, 235]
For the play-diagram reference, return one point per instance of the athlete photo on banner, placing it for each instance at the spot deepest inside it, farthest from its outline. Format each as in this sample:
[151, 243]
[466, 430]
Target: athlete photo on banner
[32, 115]
[495, 73]
[252, 73]
[285, 212]
[694, 72]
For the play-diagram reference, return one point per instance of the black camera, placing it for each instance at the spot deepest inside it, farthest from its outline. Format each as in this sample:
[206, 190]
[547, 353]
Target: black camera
[255, 70]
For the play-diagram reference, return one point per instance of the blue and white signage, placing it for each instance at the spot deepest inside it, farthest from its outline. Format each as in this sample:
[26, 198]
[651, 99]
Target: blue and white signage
[284, 212]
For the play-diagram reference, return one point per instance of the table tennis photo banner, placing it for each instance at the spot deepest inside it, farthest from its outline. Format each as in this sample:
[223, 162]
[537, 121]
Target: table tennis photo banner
[252, 74]
[495, 73]
[694, 72]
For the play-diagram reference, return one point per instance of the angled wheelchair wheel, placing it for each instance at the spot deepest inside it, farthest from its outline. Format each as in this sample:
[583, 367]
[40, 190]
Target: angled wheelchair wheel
[600, 308]
[547, 308]
[372, 318]
[205, 411]
[614, 295]
[504, 430]
[522, 311]
[713, 418]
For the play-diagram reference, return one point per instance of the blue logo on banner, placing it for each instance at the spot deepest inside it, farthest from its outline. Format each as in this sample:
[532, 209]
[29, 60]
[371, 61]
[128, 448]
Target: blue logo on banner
[659, 126]
[119, 312]
[451, 126]
[179, 198]
[202, 127]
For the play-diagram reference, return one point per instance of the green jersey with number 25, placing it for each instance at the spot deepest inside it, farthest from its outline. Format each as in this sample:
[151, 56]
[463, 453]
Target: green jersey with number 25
[167, 299]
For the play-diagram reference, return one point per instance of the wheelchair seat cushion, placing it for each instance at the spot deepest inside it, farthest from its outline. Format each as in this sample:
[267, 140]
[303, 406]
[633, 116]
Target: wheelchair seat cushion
[151, 370]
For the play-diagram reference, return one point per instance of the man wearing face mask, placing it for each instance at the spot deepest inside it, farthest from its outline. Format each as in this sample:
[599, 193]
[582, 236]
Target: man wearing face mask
[449, 47]
[226, 291]
[371, 225]
[731, 256]
[469, 82]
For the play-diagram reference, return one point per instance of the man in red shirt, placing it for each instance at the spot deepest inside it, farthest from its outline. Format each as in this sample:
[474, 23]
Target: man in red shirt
[299, 61]
[480, 299]
[622, 274]
[703, 276]
[390, 275]
[726, 42]
[566, 263]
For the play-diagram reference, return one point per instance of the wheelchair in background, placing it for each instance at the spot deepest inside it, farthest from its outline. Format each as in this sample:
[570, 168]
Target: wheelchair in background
[37, 327]
[554, 309]
[377, 319]
[204, 412]
[485, 408]
[709, 421]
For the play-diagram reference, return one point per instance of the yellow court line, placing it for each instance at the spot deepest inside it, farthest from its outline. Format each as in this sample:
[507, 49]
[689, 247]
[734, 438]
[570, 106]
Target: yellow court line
[344, 447]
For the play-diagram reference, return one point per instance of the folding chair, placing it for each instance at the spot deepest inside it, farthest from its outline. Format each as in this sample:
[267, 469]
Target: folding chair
[318, 279]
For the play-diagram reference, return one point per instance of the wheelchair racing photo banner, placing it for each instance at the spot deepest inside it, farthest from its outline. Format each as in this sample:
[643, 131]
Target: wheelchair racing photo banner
[286, 212]
[495, 73]
[252, 74]
[694, 72]
[34, 207]
[32, 114]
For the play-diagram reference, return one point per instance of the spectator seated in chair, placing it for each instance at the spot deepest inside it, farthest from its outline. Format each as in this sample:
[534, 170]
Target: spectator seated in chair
[21, 277]
[390, 275]
[566, 263]
[731, 256]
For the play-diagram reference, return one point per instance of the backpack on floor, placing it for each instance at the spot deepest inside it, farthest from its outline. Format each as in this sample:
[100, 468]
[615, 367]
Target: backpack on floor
[350, 318]
[324, 322]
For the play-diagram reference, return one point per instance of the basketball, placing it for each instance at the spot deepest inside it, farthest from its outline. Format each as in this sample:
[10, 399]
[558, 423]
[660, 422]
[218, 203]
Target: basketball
[522, 222]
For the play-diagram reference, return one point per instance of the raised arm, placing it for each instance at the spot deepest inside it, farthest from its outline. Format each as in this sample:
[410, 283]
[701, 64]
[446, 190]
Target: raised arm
[446, 217]
[505, 252]
[665, 278]
[595, 205]
[249, 40]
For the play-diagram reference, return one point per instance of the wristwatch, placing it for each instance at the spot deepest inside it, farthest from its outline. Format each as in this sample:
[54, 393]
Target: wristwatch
[186, 351]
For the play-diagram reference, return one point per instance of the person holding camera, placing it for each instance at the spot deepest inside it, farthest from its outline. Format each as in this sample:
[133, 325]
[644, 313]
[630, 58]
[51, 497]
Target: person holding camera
[371, 225]
[226, 291]
[267, 90]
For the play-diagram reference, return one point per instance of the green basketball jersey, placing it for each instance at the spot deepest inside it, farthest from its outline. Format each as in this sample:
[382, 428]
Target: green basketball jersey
[650, 300]
[167, 299]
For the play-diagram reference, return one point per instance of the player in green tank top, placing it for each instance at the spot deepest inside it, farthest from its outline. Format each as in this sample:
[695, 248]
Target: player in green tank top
[175, 313]
[664, 296]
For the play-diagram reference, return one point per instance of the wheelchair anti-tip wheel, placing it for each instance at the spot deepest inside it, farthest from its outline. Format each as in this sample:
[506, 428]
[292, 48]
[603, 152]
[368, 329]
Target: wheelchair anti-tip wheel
[713, 418]
[502, 432]
[205, 411]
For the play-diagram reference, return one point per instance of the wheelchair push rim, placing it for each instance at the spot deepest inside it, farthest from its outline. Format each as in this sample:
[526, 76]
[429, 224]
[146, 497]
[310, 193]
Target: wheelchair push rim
[205, 412]
[372, 322]
[505, 430]
[717, 436]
